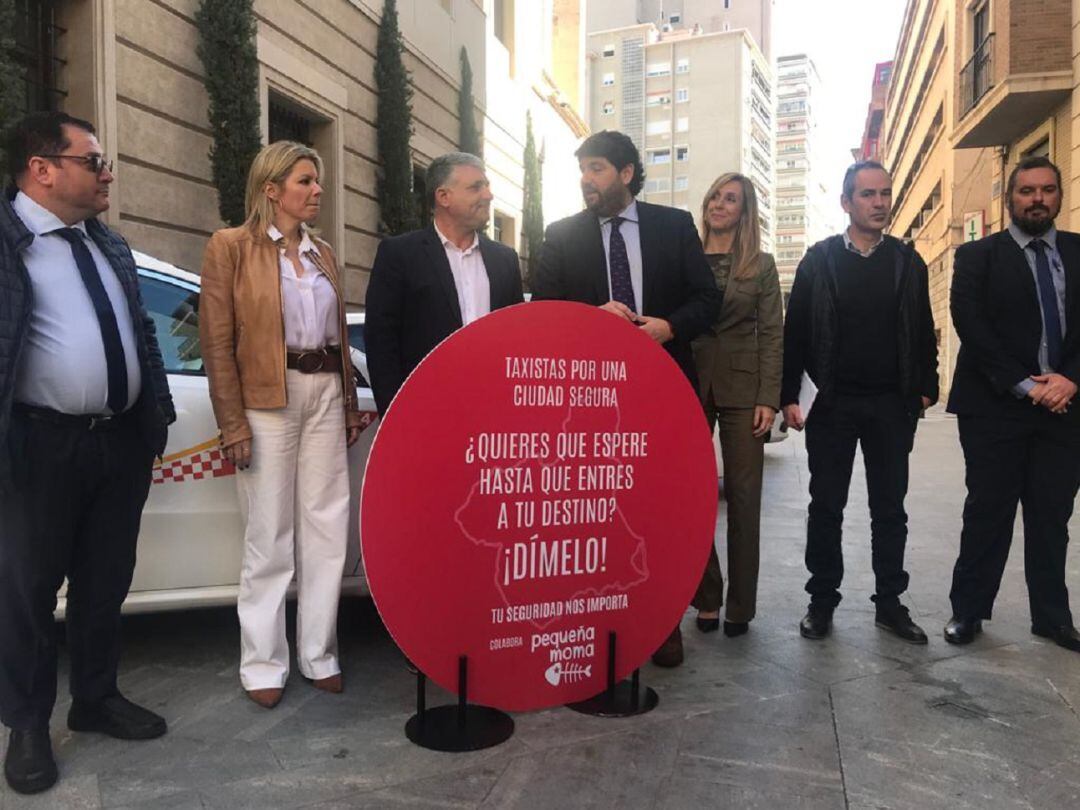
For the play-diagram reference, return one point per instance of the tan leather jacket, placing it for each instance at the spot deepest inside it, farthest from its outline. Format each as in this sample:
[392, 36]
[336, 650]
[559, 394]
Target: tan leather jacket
[242, 329]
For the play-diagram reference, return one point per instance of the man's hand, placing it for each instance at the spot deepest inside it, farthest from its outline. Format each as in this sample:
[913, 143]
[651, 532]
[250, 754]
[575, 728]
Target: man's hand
[1055, 392]
[763, 419]
[793, 416]
[656, 328]
[619, 308]
[351, 436]
[925, 402]
[239, 454]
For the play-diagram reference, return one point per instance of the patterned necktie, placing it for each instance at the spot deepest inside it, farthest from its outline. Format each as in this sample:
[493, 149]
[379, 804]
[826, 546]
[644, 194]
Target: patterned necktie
[1048, 299]
[622, 288]
[115, 365]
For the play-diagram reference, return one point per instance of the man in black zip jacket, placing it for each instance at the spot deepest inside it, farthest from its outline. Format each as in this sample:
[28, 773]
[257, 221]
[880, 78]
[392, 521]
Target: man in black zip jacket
[859, 325]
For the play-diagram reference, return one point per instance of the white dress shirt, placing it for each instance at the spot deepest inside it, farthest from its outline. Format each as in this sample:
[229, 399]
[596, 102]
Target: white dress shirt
[309, 303]
[631, 235]
[62, 365]
[470, 278]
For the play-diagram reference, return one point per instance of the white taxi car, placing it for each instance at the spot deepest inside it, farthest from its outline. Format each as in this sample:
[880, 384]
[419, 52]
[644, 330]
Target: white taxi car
[191, 541]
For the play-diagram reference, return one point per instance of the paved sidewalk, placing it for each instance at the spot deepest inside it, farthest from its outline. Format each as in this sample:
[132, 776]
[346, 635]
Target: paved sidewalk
[768, 720]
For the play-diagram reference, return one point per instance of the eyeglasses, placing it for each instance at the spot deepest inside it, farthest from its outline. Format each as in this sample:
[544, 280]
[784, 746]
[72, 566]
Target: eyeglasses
[95, 163]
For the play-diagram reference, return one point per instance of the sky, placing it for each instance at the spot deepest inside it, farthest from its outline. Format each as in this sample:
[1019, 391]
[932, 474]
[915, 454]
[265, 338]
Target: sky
[845, 39]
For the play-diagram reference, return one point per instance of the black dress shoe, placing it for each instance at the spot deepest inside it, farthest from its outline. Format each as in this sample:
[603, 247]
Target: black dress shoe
[670, 653]
[962, 631]
[732, 629]
[117, 717]
[897, 620]
[707, 625]
[1065, 636]
[816, 624]
[29, 765]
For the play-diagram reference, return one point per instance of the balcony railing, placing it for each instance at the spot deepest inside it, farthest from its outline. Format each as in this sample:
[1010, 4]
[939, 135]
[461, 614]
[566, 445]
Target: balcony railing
[977, 76]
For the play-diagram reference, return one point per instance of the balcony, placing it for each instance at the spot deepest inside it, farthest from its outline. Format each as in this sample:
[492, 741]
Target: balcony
[1012, 82]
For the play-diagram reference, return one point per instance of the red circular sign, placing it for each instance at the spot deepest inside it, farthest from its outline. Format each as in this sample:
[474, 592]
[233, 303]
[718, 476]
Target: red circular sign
[545, 476]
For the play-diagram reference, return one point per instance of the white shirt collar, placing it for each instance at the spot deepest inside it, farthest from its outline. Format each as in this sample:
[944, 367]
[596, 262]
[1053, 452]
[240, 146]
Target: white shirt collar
[629, 214]
[447, 243]
[306, 243]
[1025, 239]
[854, 248]
[38, 219]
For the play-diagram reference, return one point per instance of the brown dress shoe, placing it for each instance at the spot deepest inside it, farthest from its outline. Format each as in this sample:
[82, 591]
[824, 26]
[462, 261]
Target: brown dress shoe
[332, 684]
[267, 698]
[670, 653]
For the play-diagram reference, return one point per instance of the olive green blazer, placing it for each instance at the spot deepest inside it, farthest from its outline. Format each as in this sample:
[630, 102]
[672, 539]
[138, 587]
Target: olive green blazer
[740, 359]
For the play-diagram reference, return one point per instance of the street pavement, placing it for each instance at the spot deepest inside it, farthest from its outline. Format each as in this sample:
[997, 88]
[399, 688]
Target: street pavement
[768, 720]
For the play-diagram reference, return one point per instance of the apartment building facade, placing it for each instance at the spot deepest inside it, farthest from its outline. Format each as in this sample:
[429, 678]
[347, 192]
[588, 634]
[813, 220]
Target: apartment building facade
[696, 105]
[707, 16]
[800, 186]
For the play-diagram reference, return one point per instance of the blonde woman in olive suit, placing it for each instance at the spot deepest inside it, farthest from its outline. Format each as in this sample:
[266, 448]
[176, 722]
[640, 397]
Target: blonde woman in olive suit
[739, 366]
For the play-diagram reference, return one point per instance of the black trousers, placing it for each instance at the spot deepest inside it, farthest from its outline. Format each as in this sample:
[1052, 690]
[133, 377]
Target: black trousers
[885, 428]
[74, 512]
[1034, 462]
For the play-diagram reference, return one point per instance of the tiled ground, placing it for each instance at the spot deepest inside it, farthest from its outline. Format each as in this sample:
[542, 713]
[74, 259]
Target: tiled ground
[766, 721]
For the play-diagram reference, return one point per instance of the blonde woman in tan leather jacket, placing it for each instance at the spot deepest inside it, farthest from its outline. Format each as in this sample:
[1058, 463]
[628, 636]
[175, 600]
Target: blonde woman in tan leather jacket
[739, 368]
[274, 341]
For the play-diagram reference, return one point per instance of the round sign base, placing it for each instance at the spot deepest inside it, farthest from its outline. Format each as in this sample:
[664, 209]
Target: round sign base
[457, 728]
[626, 699]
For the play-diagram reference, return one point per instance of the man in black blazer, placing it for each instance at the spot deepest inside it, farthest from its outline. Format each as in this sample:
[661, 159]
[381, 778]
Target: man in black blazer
[428, 283]
[638, 261]
[1016, 308]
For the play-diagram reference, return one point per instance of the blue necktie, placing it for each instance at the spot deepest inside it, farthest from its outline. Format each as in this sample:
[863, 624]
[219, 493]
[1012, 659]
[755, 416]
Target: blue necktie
[115, 365]
[622, 288]
[1048, 299]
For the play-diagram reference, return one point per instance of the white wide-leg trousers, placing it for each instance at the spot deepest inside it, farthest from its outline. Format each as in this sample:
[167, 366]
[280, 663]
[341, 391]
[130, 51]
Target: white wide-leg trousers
[295, 502]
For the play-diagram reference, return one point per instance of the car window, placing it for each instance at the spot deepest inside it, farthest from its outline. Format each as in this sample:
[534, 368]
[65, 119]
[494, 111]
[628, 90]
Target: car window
[356, 336]
[175, 312]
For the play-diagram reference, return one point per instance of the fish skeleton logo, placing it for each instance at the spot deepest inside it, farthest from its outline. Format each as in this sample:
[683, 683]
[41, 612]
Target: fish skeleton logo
[572, 672]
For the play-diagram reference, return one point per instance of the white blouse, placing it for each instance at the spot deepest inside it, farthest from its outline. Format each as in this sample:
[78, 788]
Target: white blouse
[309, 303]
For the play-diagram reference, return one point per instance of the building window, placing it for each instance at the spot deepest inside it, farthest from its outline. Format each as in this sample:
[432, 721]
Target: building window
[609, 79]
[287, 123]
[657, 184]
[682, 66]
[661, 127]
[682, 94]
[658, 69]
[502, 228]
[658, 100]
[1041, 149]
[682, 124]
[674, 18]
[658, 156]
[35, 51]
[503, 19]
[608, 108]
[609, 51]
[727, 4]
[682, 182]
[682, 154]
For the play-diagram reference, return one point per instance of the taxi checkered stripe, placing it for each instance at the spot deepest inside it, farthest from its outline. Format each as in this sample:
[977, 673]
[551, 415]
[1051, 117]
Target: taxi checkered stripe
[196, 463]
[207, 461]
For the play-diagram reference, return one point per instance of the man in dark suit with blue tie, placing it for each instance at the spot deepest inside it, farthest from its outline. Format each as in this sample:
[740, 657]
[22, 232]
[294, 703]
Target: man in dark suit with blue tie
[1016, 308]
[84, 404]
[639, 261]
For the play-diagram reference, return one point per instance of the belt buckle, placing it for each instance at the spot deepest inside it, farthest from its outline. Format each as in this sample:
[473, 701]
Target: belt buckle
[100, 420]
[311, 362]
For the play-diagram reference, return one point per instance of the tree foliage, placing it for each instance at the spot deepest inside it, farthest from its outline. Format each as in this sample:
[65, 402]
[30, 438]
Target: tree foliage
[469, 135]
[226, 47]
[398, 207]
[12, 88]
[532, 206]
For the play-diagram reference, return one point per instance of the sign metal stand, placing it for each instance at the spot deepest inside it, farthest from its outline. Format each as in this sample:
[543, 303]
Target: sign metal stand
[623, 699]
[464, 727]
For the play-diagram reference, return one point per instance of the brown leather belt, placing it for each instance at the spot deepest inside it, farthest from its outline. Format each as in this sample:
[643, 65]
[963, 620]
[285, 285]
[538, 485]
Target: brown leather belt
[312, 361]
